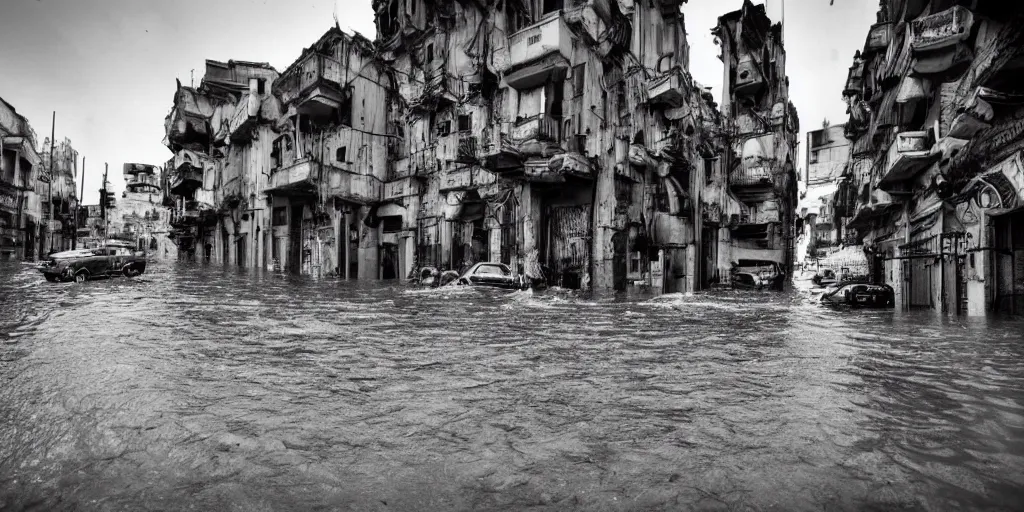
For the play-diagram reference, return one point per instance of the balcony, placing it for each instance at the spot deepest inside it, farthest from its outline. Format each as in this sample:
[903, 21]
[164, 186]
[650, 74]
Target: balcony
[942, 30]
[300, 178]
[143, 183]
[908, 155]
[539, 53]
[465, 178]
[667, 90]
[313, 83]
[403, 187]
[244, 118]
[975, 115]
[749, 79]
[879, 37]
[539, 127]
[758, 160]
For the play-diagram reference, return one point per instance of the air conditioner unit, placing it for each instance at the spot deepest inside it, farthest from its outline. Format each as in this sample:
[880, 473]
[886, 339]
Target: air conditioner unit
[748, 76]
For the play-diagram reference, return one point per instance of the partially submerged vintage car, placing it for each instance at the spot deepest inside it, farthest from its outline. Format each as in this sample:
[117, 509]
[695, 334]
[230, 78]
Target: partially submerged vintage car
[495, 275]
[860, 295]
[757, 275]
[98, 263]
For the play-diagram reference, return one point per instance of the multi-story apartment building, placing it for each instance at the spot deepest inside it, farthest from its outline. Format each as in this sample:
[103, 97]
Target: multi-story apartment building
[20, 211]
[828, 154]
[329, 162]
[59, 195]
[935, 178]
[566, 139]
[222, 135]
[761, 126]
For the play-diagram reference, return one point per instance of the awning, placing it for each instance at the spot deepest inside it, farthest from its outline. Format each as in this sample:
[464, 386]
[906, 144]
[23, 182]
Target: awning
[912, 88]
[551, 68]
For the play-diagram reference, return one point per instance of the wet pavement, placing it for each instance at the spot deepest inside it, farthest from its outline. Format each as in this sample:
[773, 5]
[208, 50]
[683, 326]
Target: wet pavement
[205, 388]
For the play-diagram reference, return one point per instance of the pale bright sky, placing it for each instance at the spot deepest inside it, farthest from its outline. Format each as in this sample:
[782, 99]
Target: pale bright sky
[107, 67]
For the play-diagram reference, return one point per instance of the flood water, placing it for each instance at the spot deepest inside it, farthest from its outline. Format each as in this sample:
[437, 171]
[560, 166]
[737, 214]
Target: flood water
[197, 387]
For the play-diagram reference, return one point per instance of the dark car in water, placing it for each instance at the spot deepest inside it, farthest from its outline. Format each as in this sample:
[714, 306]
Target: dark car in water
[495, 275]
[99, 263]
[757, 275]
[860, 295]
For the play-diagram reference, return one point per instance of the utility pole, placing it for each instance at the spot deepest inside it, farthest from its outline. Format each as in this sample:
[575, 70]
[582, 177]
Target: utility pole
[81, 197]
[105, 220]
[53, 131]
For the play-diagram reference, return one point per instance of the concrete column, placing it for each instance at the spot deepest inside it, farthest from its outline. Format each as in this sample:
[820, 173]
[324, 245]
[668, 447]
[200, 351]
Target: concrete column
[603, 249]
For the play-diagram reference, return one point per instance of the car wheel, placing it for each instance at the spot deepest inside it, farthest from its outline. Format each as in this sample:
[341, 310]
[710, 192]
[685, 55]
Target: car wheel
[462, 281]
[50, 278]
[130, 271]
[81, 277]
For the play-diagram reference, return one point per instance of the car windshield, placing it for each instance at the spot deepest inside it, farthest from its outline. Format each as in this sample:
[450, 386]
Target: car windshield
[491, 270]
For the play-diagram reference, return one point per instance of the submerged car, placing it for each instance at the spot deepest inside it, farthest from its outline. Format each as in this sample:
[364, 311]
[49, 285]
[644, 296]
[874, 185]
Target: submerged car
[757, 275]
[496, 275]
[860, 295]
[101, 262]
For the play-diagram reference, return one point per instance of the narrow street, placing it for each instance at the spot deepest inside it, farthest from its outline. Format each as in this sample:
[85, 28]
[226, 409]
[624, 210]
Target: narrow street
[206, 388]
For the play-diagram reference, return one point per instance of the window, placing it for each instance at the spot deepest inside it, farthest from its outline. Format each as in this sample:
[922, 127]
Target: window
[261, 86]
[492, 270]
[465, 123]
[579, 74]
[709, 170]
[391, 223]
[814, 156]
[444, 128]
[280, 216]
[634, 262]
[430, 53]
[532, 40]
[340, 154]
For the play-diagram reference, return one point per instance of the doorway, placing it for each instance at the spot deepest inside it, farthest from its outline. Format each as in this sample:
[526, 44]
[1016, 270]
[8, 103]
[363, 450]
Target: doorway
[389, 261]
[240, 256]
[708, 256]
[295, 240]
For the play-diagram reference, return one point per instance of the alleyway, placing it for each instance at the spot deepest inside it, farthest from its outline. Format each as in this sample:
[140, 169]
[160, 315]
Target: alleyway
[196, 386]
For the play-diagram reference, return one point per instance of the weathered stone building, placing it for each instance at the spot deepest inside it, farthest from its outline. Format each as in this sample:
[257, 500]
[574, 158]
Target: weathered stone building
[761, 127]
[566, 139]
[934, 183]
[59, 185]
[20, 209]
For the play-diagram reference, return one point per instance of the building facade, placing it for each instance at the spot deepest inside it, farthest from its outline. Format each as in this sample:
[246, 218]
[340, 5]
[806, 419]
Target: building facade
[139, 216]
[567, 140]
[934, 182]
[20, 209]
[761, 128]
[58, 190]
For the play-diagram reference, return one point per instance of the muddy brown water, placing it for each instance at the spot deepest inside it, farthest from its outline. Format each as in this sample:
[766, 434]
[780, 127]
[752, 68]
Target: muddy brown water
[197, 387]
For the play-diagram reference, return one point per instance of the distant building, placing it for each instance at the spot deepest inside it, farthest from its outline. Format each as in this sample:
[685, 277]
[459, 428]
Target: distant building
[828, 151]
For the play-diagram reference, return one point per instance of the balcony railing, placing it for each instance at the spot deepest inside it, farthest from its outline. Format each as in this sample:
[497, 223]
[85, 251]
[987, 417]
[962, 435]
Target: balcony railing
[244, 117]
[909, 154]
[539, 127]
[465, 178]
[313, 71]
[549, 36]
[878, 37]
[399, 188]
[304, 175]
[942, 29]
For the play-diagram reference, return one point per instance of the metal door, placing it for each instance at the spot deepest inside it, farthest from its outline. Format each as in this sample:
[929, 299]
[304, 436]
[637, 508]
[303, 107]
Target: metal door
[569, 256]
